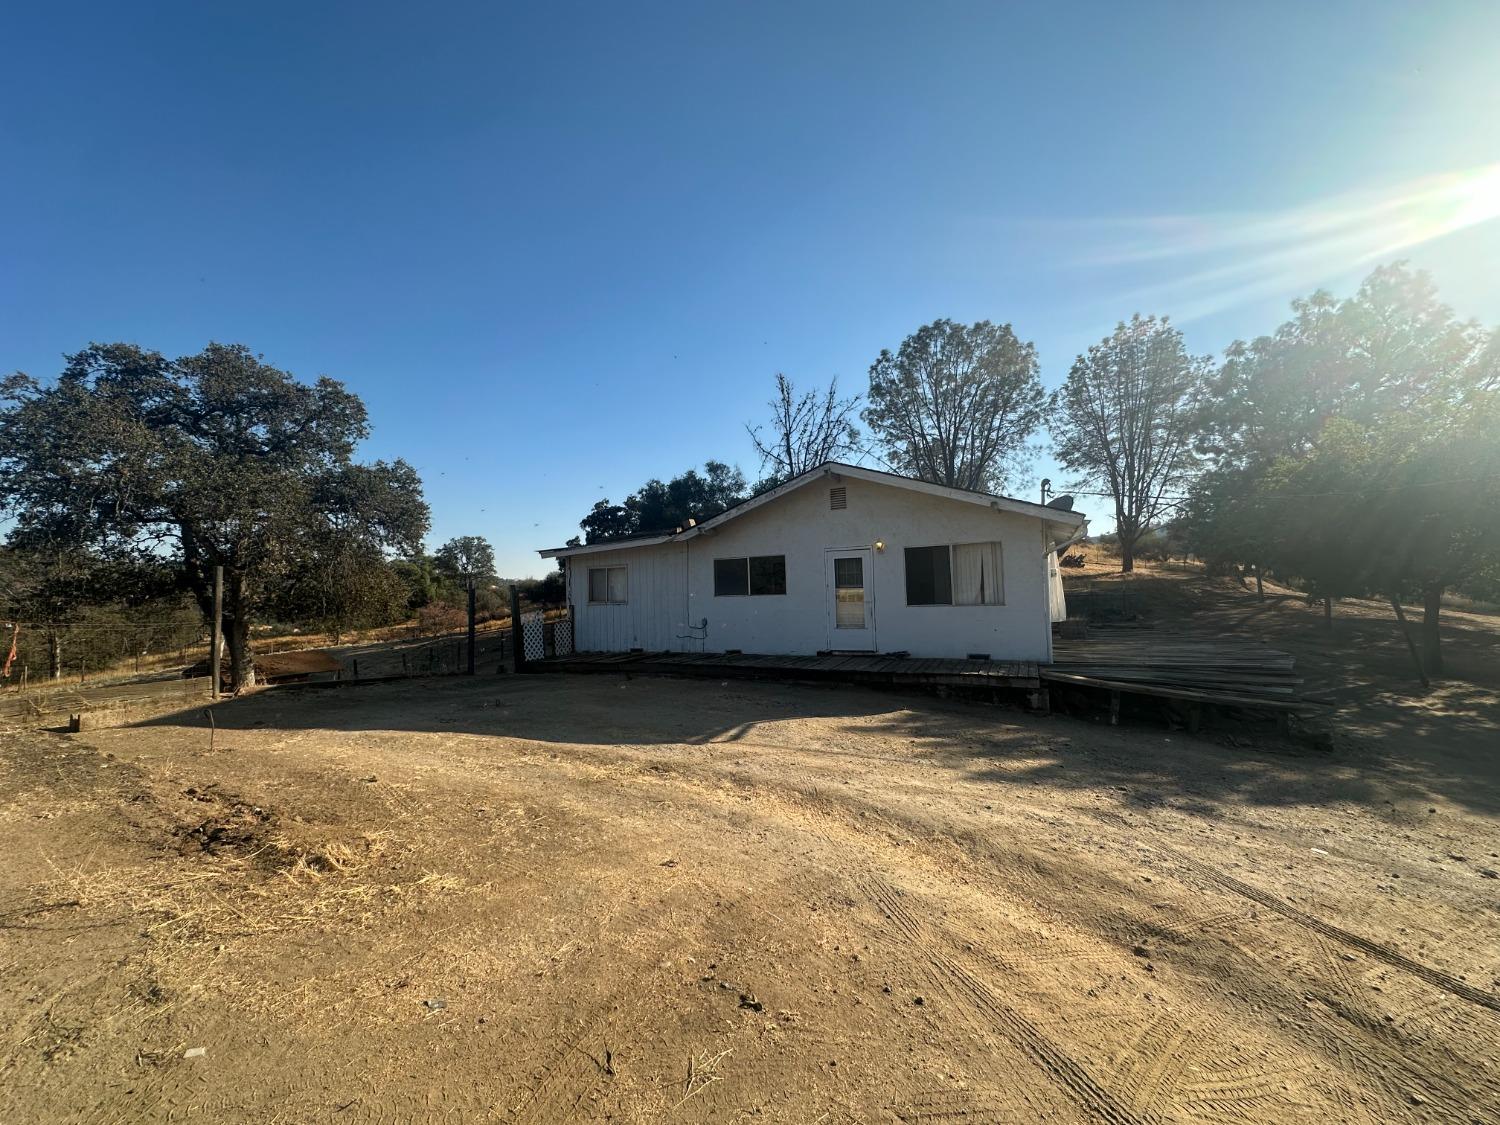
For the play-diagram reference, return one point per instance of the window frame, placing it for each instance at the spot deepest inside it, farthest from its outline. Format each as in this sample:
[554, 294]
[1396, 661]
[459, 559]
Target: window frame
[624, 569]
[906, 553]
[949, 547]
[749, 586]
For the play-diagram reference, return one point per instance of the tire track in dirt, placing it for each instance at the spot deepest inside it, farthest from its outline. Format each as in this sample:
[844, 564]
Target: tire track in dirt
[972, 993]
[1435, 977]
[1362, 1045]
[1232, 1084]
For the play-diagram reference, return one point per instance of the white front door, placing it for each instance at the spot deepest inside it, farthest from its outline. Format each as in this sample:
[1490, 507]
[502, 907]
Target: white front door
[851, 608]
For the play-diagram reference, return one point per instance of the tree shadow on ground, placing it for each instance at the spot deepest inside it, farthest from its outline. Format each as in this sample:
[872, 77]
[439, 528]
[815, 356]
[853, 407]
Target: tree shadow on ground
[1396, 760]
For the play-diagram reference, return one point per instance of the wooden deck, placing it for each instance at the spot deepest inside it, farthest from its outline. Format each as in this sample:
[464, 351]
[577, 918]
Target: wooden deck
[1134, 660]
[841, 668]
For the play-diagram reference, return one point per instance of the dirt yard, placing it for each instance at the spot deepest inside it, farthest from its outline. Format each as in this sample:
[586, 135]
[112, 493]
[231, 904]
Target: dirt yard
[562, 898]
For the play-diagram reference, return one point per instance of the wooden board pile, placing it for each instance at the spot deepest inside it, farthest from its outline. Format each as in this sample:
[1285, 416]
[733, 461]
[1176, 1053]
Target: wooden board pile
[1133, 658]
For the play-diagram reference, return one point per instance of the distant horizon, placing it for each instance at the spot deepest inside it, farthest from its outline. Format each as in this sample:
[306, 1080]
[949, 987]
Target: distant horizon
[559, 256]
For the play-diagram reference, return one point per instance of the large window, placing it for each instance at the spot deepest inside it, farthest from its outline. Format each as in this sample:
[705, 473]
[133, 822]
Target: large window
[754, 576]
[956, 574]
[606, 585]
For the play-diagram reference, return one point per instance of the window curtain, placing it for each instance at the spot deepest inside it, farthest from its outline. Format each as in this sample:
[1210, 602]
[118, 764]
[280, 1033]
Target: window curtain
[977, 575]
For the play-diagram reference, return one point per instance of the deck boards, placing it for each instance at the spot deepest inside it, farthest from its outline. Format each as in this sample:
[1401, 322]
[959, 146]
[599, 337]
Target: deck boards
[842, 667]
[1138, 660]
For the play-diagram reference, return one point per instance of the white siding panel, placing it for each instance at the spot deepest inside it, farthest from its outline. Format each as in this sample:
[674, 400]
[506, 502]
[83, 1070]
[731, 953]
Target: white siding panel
[655, 607]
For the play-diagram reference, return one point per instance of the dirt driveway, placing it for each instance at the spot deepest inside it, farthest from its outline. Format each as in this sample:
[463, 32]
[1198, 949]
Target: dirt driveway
[590, 898]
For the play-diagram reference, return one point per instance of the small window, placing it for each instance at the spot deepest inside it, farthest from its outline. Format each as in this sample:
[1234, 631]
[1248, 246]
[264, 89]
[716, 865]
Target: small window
[731, 578]
[756, 576]
[838, 498]
[606, 585]
[768, 574]
[929, 579]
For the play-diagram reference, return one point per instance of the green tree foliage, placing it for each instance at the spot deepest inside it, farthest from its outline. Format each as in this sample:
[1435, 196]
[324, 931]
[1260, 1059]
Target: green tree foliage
[466, 558]
[1124, 420]
[956, 404]
[1357, 449]
[547, 591]
[214, 459]
[660, 508]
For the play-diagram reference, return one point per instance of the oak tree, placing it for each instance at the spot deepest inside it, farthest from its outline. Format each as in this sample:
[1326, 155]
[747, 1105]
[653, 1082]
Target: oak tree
[213, 459]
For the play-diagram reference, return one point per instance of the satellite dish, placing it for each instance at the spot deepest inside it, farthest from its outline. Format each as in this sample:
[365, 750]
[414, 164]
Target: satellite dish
[1061, 503]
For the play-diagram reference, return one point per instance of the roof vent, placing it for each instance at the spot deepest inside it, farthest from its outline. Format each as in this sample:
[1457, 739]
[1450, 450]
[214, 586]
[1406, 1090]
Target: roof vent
[838, 498]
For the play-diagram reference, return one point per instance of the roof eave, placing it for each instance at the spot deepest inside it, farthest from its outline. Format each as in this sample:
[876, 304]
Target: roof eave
[609, 545]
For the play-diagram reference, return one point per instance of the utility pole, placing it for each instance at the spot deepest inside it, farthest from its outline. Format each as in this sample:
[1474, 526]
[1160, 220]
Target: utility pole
[471, 624]
[216, 649]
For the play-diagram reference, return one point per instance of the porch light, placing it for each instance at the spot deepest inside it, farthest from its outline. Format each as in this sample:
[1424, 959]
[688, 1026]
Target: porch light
[880, 544]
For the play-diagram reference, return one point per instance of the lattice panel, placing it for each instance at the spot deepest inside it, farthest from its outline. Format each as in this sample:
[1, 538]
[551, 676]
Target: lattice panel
[534, 635]
[562, 635]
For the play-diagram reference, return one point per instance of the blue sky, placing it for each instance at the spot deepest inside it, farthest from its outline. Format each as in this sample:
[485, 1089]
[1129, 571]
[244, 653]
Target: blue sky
[559, 249]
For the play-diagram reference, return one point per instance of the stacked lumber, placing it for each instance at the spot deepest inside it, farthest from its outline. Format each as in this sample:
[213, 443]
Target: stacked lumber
[1152, 662]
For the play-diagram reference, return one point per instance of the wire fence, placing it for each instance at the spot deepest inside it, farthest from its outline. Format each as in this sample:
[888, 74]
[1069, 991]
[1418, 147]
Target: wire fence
[66, 655]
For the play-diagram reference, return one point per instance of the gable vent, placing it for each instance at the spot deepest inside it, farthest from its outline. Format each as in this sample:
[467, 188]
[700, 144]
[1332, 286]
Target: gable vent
[838, 498]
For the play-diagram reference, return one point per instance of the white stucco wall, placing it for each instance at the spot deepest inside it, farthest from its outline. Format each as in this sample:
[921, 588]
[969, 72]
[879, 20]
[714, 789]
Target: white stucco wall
[671, 585]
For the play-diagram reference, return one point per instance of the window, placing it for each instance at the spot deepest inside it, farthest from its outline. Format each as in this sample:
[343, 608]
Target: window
[977, 575]
[963, 574]
[929, 579]
[849, 593]
[731, 578]
[606, 585]
[768, 574]
[756, 576]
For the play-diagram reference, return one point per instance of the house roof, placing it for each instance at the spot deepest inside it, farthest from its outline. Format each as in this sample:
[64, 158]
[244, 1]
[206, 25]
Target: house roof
[836, 469]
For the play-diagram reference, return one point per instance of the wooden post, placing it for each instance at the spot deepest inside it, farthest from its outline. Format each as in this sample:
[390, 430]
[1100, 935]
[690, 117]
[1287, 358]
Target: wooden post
[471, 625]
[518, 642]
[216, 648]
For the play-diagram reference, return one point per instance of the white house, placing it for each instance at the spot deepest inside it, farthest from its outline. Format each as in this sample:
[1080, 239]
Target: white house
[839, 559]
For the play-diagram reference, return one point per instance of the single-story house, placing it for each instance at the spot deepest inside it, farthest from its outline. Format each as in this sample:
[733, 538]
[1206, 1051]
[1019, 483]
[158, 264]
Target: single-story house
[839, 559]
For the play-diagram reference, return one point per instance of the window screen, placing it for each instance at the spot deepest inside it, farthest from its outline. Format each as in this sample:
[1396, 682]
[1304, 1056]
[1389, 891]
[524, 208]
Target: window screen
[606, 585]
[849, 573]
[929, 580]
[768, 574]
[731, 578]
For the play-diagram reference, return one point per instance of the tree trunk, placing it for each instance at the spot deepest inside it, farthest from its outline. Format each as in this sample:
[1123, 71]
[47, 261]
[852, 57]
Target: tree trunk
[54, 653]
[1127, 555]
[1432, 641]
[1260, 586]
[1411, 647]
[237, 629]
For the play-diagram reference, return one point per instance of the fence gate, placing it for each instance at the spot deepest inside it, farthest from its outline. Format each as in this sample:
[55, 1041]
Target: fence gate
[541, 638]
[562, 633]
[534, 634]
